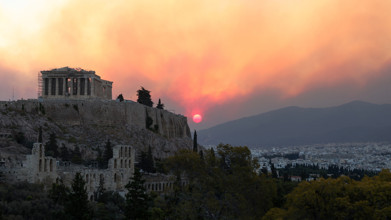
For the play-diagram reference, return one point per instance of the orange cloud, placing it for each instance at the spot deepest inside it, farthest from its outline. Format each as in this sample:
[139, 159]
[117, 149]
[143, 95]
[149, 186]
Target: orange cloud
[202, 53]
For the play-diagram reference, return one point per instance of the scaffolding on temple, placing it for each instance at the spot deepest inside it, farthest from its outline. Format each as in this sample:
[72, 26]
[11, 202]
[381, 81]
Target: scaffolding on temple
[39, 89]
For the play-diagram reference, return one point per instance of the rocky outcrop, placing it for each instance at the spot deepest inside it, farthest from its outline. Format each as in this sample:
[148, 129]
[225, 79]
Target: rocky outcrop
[90, 123]
[106, 113]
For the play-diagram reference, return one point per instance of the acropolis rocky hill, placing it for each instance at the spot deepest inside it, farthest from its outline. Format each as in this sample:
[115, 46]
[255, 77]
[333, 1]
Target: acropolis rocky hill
[88, 124]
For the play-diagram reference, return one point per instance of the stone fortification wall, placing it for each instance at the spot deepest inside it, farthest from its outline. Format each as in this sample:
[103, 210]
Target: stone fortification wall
[106, 113]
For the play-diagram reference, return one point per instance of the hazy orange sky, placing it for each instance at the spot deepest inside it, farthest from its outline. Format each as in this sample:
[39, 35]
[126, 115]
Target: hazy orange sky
[224, 59]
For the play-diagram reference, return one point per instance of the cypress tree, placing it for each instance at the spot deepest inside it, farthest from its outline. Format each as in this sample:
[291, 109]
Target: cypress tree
[101, 188]
[108, 153]
[160, 105]
[201, 155]
[137, 199]
[142, 161]
[195, 144]
[212, 159]
[78, 206]
[51, 147]
[40, 134]
[150, 164]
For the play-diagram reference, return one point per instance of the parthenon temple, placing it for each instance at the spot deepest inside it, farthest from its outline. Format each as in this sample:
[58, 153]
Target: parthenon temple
[70, 83]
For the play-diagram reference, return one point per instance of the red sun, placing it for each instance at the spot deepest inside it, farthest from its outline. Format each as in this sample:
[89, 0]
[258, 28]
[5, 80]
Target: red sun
[197, 118]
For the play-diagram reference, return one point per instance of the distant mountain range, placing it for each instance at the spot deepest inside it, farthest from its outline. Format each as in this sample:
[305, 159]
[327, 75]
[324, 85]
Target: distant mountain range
[352, 122]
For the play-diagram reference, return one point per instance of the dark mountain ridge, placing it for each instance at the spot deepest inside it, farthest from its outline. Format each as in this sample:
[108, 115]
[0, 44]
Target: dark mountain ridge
[352, 122]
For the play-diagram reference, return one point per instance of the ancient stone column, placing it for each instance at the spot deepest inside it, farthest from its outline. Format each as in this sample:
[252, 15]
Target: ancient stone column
[50, 86]
[72, 86]
[89, 86]
[93, 87]
[85, 86]
[56, 89]
[64, 89]
[78, 86]
[45, 87]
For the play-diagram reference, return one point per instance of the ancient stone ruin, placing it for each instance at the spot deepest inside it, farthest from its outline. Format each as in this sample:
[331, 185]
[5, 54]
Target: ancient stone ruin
[70, 83]
[77, 105]
[39, 168]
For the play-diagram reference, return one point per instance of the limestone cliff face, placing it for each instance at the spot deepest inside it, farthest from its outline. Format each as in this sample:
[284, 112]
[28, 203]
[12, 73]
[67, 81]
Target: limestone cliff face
[108, 113]
[88, 124]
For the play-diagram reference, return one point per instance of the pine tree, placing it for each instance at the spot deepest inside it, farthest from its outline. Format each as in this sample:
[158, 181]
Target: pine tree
[144, 97]
[59, 193]
[150, 163]
[40, 134]
[120, 98]
[76, 156]
[195, 144]
[142, 161]
[201, 155]
[64, 153]
[137, 199]
[212, 158]
[160, 105]
[51, 147]
[108, 153]
[78, 206]
[101, 188]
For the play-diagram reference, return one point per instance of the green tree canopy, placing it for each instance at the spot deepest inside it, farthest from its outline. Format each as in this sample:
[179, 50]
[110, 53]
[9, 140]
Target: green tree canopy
[137, 199]
[107, 154]
[78, 206]
[144, 97]
[51, 147]
[195, 143]
[120, 98]
[341, 198]
[146, 161]
[160, 105]
[222, 186]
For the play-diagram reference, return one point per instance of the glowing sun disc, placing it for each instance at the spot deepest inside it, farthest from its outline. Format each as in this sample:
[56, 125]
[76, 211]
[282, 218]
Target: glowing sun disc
[197, 118]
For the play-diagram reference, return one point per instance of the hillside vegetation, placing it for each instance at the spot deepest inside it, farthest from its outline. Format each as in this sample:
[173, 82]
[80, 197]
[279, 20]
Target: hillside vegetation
[88, 125]
[222, 184]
